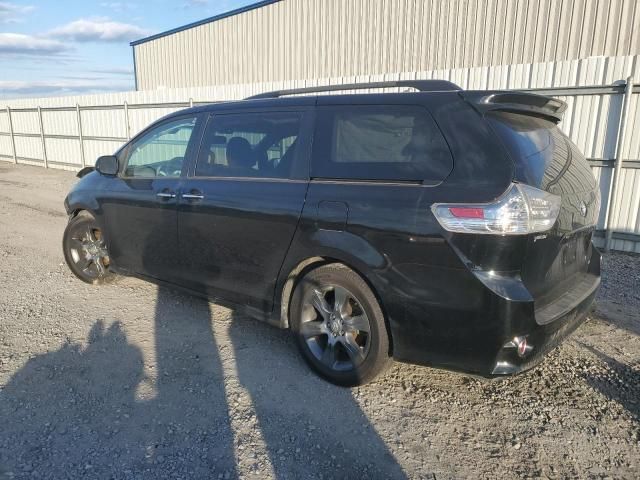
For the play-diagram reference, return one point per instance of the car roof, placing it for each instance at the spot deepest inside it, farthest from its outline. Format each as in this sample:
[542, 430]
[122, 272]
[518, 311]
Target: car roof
[297, 97]
[310, 101]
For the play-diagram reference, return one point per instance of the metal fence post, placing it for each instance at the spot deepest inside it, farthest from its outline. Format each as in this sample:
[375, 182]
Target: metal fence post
[613, 190]
[13, 140]
[126, 120]
[44, 144]
[82, 157]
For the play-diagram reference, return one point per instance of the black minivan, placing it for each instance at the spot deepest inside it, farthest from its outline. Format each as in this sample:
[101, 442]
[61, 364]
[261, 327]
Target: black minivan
[440, 227]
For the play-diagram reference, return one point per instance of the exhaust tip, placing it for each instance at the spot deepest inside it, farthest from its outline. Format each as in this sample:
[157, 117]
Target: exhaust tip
[522, 346]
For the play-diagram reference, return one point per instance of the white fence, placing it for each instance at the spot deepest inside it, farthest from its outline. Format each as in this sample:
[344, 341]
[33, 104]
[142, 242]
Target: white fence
[70, 132]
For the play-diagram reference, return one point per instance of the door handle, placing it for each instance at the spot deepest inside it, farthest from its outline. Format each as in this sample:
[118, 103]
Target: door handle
[165, 195]
[192, 196]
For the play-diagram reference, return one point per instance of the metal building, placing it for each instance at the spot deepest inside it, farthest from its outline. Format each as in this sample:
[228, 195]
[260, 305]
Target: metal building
[277, 40]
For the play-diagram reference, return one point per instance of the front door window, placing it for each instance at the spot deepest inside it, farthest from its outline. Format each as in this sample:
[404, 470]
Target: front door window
[160, 152]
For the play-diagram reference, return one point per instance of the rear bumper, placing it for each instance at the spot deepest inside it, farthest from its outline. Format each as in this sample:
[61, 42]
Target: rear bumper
[475, 334]
[584, 286]
[544, 337]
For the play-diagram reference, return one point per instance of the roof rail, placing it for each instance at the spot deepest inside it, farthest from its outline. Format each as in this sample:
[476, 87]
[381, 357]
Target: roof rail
[420, 85]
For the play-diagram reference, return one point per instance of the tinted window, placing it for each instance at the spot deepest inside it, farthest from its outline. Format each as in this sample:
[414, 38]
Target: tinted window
[382, 142]
[542, 154]
[161, 151]
[249, 145]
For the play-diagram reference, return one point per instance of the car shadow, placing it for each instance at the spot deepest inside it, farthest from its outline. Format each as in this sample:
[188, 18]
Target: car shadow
[622, 316]
[616, 381]
[308, 425]
[103, 409]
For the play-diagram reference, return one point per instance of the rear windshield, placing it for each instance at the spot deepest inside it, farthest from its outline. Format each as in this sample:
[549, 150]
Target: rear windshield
[542, 154]
[379, 142]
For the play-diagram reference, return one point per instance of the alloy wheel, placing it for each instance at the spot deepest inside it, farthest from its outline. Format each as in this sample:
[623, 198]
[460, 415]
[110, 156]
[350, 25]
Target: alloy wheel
[335, 327]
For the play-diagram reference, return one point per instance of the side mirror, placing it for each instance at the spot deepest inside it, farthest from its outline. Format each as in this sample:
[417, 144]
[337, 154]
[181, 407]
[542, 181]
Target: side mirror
[107, 165]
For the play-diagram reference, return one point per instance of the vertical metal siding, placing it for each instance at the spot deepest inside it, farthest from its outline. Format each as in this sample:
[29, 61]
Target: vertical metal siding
[300, 39]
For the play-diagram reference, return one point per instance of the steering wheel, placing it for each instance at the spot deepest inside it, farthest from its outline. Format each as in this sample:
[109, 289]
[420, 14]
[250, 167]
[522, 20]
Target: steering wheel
[175, 164]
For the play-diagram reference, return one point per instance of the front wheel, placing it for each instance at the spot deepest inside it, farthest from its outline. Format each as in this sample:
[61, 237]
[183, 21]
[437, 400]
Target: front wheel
[339, 326]
[85, 251]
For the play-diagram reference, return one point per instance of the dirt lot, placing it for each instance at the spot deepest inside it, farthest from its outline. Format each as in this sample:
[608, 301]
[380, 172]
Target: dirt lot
[134, 381]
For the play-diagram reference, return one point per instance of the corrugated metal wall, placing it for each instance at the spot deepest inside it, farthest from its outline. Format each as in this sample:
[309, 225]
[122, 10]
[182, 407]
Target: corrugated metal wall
[298, 39]
[591, 120]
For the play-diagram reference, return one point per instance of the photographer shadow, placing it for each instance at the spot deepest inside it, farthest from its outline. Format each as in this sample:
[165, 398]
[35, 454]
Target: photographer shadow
[106, 408]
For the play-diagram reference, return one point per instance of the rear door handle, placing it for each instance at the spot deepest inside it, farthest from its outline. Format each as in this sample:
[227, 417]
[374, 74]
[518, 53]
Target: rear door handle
[192, 196]
[165, 195]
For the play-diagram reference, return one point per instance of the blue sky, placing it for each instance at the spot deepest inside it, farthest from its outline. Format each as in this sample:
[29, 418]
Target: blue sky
[67, 47]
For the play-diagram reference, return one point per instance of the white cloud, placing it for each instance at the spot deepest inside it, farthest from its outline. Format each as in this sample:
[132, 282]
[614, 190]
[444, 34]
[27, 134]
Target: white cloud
[18, 88]
[17, 43]
[98, 30]
[12, 12]
[114, 71]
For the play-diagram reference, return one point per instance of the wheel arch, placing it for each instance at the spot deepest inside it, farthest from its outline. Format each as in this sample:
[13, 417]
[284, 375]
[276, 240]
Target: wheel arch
[76, 211]
[75, 203]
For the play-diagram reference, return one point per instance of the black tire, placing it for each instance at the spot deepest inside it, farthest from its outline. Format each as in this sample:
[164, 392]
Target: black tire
[329, 312]
[85, 250]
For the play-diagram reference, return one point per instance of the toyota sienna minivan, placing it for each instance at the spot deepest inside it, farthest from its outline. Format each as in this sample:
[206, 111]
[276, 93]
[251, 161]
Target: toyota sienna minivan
[440, 227]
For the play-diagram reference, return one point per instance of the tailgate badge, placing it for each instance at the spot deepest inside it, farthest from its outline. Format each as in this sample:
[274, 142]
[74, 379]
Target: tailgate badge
[583, 209]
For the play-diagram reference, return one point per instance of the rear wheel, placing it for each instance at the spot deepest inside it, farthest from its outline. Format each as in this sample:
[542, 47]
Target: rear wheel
[339, 326]
[85, 250]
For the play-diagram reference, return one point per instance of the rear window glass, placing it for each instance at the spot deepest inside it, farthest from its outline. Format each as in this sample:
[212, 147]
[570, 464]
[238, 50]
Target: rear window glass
[542, 154]
[381, 142]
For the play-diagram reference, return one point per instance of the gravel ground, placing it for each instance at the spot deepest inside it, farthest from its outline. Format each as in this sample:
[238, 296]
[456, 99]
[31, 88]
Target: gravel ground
[134, 381]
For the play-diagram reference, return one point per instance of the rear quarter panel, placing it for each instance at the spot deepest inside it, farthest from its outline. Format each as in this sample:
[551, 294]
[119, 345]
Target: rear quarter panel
[432, 301]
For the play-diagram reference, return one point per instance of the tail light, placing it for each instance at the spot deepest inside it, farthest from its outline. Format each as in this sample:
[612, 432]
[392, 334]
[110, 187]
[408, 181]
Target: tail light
[521, 210]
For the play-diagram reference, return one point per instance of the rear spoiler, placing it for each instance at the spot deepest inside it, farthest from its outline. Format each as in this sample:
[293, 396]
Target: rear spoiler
[518, 102]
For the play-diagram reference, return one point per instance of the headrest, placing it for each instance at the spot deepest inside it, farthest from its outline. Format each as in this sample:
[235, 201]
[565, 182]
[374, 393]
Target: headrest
[240, 153]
